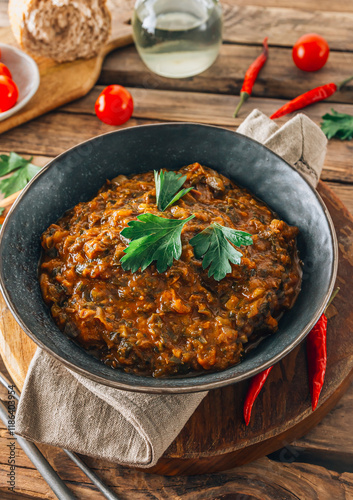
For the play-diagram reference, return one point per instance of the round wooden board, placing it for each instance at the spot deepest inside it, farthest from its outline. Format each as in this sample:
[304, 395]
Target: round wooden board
[216, 438]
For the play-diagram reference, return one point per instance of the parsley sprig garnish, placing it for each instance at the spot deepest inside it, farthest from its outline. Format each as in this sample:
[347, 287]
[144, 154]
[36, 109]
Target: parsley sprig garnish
[23, 171]
[213, 245]
[338, 125]
[167, 187]
[152, 238]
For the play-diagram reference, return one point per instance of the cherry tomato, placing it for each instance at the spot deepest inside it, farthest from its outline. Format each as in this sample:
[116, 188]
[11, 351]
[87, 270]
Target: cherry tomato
[4, 70]
[8, 93]
[114, 105]
[310, 52]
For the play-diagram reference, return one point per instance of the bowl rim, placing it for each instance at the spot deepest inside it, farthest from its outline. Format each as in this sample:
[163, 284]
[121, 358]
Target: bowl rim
[158, 387]
[34, 87]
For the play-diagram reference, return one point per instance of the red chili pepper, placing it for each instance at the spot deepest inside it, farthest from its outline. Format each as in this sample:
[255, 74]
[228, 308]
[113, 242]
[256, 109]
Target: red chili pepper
[318, 94]
[316, 349]
[317, 356]
[251, 75]
[255, 387]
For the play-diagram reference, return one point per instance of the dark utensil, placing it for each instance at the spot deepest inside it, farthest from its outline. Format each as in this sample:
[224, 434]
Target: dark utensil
[39, 461]
[44, 467]
[77, 174]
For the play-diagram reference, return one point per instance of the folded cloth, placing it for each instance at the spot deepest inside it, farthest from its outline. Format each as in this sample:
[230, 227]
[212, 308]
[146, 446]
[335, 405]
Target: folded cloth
[299, 141]
[61, 408]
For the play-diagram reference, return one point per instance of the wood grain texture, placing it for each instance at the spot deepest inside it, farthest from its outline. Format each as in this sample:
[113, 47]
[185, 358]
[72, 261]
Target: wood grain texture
[216, 438]
[62, 83]
[131, 484]
[279, 78]
[344, 192]
[216, 109]
[48, 135]
[330, 443]
[249, 24]
[261, 480]
[306, 5]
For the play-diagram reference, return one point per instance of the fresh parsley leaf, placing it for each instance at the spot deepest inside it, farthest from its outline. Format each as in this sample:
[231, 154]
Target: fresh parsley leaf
[338, 125]
[11, 162]
[19, 178]
[212, 244]
[152, 238]
[167, 187]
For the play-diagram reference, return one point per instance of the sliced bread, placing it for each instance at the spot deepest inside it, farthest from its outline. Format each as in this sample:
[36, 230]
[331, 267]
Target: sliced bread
[63, 30]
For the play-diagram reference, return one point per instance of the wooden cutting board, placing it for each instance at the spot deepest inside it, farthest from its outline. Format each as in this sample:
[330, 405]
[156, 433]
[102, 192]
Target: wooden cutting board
[216, 438]
[63, 83]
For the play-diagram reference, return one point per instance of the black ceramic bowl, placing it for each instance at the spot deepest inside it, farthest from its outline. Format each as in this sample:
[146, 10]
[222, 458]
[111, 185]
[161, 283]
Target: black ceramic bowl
[77, 175]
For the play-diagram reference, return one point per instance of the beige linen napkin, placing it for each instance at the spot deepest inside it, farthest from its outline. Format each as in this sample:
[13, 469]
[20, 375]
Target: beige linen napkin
[299, 141]
[62, 408]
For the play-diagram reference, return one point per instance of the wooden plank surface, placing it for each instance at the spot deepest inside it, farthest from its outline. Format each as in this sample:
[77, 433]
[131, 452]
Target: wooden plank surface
[322, 461]
[306, 5]
[61, 83]
[279, 77]
[243, 25]
[249, 24]
[282, 21]
[48, 135]
[271, 479]
[215, 438]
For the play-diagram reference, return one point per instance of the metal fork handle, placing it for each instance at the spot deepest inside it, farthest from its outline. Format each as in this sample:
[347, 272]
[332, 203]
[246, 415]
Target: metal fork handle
[106, 492]
[39, 461]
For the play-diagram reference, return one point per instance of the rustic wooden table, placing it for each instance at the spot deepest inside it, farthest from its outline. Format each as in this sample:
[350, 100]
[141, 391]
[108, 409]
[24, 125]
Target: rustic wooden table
[321, 464]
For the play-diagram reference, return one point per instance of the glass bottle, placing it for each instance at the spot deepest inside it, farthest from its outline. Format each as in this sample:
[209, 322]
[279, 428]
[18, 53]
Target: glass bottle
[178, 38]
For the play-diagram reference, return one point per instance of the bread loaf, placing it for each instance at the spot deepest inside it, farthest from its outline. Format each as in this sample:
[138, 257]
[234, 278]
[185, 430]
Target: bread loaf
[61, 29]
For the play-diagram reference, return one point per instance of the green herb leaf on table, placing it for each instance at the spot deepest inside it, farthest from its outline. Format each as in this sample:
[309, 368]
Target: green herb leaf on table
[213, 245]
[23, 171]
[167, 187]
[338, 125]
[152, 238]
[11, 162]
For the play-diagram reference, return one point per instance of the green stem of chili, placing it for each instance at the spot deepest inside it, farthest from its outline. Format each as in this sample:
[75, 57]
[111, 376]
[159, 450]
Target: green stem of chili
[244, 96]
[251, 75]
[344, 82]
[331, 298]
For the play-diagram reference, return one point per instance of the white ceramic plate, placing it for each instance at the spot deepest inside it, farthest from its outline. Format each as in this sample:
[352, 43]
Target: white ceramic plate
[25, 74]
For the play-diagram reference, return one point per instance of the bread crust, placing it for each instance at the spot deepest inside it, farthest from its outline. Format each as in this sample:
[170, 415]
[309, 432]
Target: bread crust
[20, 10]
[17, 9]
